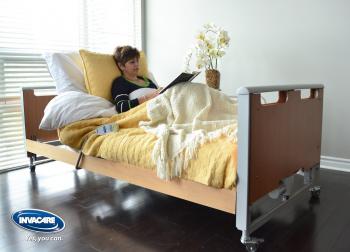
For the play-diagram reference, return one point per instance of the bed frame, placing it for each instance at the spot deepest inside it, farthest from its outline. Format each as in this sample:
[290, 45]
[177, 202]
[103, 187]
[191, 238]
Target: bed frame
[279, 150]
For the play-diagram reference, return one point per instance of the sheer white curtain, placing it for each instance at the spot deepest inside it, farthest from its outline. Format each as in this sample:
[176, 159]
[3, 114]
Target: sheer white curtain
[29, 28]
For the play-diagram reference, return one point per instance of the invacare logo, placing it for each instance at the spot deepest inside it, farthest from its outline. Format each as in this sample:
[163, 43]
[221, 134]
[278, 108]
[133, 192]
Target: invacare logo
[38, 220]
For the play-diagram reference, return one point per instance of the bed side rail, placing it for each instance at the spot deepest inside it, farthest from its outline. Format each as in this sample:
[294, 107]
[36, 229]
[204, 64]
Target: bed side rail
[33, 106]
[264, 89]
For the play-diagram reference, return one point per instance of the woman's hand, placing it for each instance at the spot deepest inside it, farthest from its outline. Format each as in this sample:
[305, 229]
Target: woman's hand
[149, 96]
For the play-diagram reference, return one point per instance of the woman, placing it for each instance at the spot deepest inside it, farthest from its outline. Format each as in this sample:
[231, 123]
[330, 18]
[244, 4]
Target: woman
[130, 90]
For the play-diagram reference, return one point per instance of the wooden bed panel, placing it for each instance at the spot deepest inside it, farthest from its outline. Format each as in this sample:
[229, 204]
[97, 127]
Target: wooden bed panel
[222, 199]
[284, 137]
[33, 107]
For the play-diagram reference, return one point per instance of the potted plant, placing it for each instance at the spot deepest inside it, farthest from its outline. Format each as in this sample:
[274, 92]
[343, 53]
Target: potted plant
[211, 43]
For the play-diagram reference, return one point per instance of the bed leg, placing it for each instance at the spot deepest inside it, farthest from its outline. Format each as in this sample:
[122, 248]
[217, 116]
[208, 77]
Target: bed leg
[312, 177]
[32, 159]
[251, 243]
[80, 157]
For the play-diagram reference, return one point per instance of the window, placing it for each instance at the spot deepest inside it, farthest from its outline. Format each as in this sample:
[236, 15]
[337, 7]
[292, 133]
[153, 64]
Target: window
[29, 28]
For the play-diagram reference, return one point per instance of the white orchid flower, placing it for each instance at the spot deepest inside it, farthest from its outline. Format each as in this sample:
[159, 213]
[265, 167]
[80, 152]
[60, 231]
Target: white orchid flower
[210, 45]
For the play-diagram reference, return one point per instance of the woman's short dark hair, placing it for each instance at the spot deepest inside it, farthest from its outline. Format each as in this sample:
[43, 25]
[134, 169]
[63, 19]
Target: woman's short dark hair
[123, 54]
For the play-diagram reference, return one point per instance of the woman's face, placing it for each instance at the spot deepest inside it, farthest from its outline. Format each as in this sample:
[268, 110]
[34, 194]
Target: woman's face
[131, 67]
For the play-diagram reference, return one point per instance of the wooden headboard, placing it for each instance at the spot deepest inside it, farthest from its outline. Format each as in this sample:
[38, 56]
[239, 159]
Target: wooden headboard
[33, 112]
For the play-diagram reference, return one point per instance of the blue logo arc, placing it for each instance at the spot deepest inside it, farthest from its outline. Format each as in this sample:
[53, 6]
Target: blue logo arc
[38, 220]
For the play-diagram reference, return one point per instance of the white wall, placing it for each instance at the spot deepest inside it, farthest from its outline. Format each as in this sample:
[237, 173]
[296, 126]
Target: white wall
[272, 42]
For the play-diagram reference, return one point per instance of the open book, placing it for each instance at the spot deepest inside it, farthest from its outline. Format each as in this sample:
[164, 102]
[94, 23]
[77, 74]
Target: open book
[183, 77]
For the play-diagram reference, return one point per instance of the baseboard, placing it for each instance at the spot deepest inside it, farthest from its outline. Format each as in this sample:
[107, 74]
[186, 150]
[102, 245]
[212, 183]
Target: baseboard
[334, 163]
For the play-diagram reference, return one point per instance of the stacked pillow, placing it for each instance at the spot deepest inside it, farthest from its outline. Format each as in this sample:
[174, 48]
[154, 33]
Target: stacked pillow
[73, 106]
[89, 72]
[67, 70]
[83, 83]
[100, 70]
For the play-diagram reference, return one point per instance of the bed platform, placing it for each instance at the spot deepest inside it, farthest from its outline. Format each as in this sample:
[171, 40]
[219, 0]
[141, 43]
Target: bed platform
[279, 148]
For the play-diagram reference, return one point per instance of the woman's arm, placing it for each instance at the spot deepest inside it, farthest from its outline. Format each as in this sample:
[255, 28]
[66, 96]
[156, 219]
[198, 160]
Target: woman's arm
[121, 90]
[120, 95]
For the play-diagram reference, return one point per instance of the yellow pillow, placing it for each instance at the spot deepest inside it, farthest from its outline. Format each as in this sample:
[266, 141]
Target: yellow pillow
[100, 70]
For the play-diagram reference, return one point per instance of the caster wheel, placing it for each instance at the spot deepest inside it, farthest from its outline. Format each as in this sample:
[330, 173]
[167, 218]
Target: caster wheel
[315, 192]
[252, 247]
[252, 244]
[285, 197]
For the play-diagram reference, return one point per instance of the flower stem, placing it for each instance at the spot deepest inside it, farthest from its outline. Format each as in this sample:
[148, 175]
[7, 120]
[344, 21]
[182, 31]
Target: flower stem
[211, 63]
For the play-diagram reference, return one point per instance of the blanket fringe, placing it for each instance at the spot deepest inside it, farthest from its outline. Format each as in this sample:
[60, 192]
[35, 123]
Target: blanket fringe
[181, 161]
[159, 154]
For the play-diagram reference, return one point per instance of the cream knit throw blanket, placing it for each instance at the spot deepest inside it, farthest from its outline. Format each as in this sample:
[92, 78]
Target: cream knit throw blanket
[183, 118]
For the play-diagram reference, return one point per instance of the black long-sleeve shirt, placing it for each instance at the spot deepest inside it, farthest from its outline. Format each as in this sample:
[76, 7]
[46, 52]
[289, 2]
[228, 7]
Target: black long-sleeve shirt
[121, 88]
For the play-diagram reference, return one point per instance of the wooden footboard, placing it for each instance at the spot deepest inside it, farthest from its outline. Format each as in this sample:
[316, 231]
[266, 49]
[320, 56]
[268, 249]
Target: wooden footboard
[275, 141]
[284, 137]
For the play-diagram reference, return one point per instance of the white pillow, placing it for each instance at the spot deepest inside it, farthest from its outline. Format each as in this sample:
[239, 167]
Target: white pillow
[151, 77]
[67, 71]
[72, 106]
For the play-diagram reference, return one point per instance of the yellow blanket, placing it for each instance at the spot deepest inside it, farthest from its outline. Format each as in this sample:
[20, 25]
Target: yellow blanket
[215, 164]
